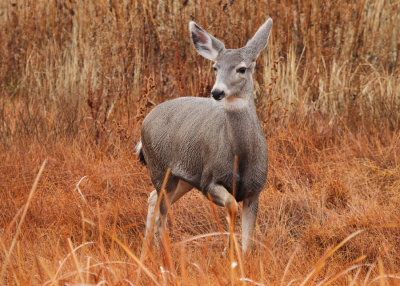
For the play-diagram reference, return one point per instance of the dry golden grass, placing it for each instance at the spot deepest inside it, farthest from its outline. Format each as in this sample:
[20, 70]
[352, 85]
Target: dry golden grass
[78, 77]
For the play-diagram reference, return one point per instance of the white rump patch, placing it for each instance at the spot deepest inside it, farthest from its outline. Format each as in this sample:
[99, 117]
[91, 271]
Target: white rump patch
[138, 147]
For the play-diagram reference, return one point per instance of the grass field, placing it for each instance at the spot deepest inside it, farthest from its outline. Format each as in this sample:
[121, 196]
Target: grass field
[77, 79]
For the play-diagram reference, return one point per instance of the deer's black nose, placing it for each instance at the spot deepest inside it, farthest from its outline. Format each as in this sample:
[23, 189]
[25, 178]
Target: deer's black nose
[217, 94]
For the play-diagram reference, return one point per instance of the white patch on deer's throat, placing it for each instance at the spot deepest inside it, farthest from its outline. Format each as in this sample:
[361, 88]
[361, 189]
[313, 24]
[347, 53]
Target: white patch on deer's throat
[235, 103]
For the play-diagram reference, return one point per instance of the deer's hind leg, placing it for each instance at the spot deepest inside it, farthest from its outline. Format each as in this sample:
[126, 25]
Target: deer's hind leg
[153, 219]
[157, 219]
[173, 196]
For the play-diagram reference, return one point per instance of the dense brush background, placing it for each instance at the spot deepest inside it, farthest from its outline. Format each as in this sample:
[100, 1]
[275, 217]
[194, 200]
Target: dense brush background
[77, 79]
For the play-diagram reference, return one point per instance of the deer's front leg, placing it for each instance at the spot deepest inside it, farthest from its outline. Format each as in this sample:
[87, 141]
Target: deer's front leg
[249, 216]
[221, 197]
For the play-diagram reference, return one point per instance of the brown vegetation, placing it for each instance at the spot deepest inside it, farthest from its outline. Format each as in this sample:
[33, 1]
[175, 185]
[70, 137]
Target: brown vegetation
[78, 77]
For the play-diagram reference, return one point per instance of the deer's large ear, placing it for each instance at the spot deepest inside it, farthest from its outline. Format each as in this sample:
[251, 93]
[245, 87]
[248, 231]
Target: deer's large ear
[259, 40]
[205, 44]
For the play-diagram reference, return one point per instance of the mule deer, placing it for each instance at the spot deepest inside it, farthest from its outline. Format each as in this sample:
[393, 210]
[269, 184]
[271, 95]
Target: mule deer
[198, 138]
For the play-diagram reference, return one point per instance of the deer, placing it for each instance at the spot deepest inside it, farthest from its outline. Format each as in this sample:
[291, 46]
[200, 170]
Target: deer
[199, 139]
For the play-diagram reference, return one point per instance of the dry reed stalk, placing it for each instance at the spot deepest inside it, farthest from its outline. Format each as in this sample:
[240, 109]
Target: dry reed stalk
[30, 196]
[136, 259]
[323, 259]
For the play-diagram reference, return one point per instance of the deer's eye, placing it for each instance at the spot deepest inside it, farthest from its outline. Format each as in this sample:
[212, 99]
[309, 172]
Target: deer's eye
[215, 69]
[241, 70]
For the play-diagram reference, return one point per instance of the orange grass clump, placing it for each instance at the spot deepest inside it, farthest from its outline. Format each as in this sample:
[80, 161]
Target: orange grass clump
[77, 79]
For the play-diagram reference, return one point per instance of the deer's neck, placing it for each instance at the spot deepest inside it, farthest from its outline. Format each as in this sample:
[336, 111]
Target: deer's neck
[243, 128]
